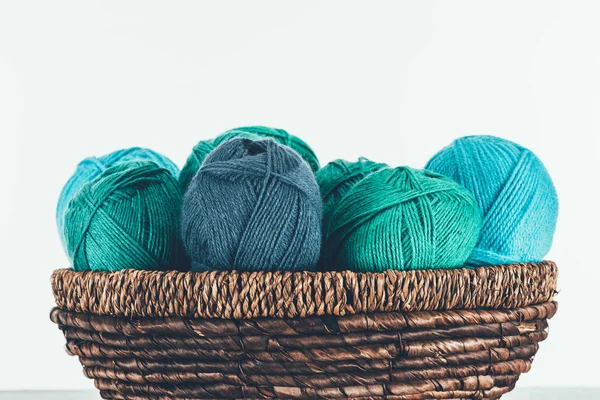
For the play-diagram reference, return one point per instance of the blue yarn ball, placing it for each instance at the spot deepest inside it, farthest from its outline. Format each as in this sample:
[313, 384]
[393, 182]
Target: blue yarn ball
[252, 206]
[92, 167]
[204, 147]
[514, 191]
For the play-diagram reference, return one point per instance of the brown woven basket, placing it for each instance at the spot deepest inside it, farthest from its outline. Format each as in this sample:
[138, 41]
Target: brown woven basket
[441, 334]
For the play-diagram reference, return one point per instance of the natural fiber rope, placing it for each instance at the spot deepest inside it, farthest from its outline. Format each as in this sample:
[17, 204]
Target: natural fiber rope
[443, 354]
[454, 395]
[153, 368]
[316, 325]
[348, 353]
[315, 381]
[233, 295]
[275, 343]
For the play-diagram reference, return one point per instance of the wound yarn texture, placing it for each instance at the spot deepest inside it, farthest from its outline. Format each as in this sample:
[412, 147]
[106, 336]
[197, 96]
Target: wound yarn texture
[252, 206]
[404, 219]
[203, 148]
[514, 191]
[127, 217]
[92, 167]
[338, 177]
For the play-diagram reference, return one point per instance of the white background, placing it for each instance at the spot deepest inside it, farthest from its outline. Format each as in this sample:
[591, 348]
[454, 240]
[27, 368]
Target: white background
[393, 81]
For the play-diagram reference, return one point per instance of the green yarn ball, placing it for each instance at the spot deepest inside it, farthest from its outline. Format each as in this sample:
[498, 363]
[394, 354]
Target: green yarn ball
[204, 147]
[128, 217]
[403, 219]
[338, 177]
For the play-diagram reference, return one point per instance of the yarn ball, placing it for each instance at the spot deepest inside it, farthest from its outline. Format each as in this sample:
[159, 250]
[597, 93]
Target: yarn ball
[514, 191]
[252, 206]
[404, 219]
[203, 148]
[92, 167]
[338, 177]
[128, 217]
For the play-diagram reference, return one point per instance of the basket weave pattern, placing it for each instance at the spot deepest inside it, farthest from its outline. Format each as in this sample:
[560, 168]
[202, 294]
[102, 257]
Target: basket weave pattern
[439, 334]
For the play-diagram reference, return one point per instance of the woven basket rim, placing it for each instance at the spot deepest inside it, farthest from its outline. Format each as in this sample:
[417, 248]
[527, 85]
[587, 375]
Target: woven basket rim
[248, 295]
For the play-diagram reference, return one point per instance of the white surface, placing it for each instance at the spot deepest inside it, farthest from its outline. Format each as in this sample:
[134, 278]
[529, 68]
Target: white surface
[393, 81]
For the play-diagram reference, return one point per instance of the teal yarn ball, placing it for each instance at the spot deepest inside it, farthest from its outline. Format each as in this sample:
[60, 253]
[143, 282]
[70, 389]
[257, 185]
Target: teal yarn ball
[92, 167]
[204, 147]
[127, 217]
[252, 206]
[514, 191]
[282, 137]
[403, 219]
[337, 177]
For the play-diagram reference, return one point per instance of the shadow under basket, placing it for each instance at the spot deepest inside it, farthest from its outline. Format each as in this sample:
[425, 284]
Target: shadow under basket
[437, 334]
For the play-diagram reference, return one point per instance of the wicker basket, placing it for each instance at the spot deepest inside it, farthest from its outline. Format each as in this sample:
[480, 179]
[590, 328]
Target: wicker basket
[442, 334]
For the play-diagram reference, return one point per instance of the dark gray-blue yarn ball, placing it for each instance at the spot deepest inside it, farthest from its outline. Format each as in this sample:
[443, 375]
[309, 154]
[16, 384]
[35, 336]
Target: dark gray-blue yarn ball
[254, 205]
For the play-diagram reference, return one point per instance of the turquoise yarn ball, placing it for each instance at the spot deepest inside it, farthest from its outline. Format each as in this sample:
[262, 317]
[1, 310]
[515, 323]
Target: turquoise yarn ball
[515, 193]
[92, 167]
[338, 177]
[404, 219]
[252, 206]
[127, 217]
[204, 147]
